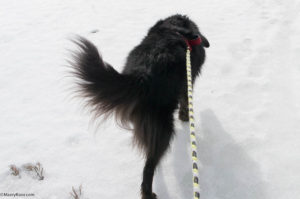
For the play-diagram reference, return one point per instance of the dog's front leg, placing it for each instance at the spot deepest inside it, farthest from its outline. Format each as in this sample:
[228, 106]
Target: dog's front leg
[183, 114]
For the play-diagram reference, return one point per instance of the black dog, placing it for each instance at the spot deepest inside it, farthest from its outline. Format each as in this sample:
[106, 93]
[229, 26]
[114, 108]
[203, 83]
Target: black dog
[150, 88]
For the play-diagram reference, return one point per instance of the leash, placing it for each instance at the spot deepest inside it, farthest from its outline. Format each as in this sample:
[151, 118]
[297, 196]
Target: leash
[193, 141]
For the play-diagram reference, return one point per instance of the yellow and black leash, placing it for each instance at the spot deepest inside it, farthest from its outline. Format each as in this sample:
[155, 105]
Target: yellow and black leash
[196, 186]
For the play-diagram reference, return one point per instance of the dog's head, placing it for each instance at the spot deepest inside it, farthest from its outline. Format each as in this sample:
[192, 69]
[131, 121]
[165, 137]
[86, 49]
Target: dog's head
[184, 26]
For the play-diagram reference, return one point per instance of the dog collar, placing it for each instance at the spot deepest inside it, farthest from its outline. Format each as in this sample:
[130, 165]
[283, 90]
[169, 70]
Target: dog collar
[193, 42]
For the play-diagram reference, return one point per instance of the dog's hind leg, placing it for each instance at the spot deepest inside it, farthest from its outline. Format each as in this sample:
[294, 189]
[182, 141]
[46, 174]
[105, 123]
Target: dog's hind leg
[159, 140]
[148, 179]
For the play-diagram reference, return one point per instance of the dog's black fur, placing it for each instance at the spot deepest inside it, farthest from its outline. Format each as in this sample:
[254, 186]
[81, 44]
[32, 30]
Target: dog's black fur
[149, 89]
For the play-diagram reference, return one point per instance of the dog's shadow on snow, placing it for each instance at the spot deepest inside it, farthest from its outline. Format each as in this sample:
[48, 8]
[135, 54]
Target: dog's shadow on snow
[226, 170]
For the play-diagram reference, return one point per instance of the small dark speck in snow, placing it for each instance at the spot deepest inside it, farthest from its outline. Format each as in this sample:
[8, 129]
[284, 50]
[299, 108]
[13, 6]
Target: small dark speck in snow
[94, 31]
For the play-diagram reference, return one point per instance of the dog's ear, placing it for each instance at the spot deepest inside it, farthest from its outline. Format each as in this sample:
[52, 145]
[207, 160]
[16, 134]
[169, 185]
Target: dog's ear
[205, 42]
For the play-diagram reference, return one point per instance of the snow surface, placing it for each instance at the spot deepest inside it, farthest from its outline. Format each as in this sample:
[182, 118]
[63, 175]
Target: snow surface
[247, 102]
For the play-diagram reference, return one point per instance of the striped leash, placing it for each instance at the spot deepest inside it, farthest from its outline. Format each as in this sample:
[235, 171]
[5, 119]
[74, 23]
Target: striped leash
[196, 186]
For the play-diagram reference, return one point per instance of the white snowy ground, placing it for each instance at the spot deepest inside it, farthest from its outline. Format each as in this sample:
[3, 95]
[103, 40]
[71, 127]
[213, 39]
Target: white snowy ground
[247, 100]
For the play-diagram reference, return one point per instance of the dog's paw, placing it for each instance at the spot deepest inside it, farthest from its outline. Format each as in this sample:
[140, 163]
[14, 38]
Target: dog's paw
[149, 196]
[183, 116]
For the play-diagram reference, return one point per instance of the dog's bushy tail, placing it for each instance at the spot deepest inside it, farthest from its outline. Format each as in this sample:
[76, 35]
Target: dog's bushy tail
[106, 89]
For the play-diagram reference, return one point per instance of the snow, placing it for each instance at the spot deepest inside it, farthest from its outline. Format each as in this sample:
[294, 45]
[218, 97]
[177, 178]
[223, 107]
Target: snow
[247, 103]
